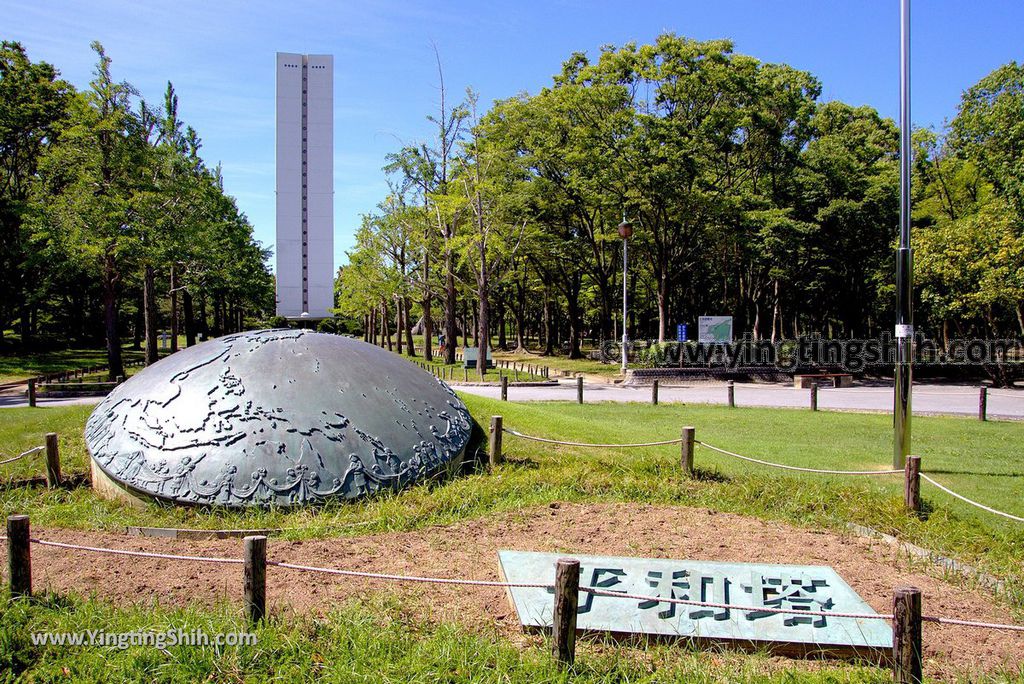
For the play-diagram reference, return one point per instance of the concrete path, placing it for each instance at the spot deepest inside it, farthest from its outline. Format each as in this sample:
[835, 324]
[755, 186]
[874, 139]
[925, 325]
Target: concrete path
[927, 399]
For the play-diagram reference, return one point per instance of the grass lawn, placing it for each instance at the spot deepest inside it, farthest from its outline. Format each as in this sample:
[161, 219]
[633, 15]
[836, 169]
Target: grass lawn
[984, 461]
[19, 367]
[372, 640]
[365, 641]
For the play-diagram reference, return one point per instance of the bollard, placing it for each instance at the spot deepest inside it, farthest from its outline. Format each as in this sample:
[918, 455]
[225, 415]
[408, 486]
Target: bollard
[732, 394]
[32, 392]
[465, 375]
[906, 635]
[563, 621]
[912, 483]
[53, 478]
[495, 441]
[814, 396]
[686, 448]
[255, 577]
[982, 403]
[19, 556]
[504, 388]
[120, 379]
[579, 390]
[654, 393]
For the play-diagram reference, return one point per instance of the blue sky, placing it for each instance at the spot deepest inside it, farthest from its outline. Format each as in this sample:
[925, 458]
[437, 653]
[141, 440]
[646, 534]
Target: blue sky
[220, 56]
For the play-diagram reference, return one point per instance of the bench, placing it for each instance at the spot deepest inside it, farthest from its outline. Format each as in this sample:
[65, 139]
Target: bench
[838, 380]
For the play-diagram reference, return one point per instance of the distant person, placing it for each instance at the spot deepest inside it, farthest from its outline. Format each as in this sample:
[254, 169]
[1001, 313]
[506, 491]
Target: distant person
[440, 342]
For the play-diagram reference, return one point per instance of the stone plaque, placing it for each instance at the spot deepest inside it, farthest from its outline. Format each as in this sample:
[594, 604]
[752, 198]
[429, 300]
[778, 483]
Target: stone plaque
[759, 585]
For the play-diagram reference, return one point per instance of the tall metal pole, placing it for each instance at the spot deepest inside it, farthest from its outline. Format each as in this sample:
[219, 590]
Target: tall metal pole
[904, 263]
[625, 310]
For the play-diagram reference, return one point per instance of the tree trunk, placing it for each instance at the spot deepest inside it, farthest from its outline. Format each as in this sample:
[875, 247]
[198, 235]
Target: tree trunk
[149, 308]
[187, 314]
[519, 315]
[399, 326]
[483, 321]
[451, 305]
[138, 325]
[174, 308]
[501, 324]
[385, 330]
[465, 324]
[549, 337]
[428, 321]
[407, 319]
[115, 366]
[663, 287]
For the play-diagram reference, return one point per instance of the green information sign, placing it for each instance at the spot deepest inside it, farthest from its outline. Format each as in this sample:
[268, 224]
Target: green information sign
[757, 585]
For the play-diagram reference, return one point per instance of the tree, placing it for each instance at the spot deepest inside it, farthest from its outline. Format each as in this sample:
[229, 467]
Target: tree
[87, 197]
[988, 129]
[33, 105]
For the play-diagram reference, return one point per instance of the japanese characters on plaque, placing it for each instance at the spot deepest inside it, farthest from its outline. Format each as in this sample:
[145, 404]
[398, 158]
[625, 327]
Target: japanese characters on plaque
[817, 590]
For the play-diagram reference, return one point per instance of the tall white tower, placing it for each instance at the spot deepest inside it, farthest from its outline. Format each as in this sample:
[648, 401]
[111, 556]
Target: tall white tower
[305, 185]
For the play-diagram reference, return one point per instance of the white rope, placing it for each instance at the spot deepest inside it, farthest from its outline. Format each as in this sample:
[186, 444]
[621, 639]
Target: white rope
[973, 503]
[585, 444]
[970, 623]
[23, 454]
[803, 470]
[409, 578]
[141, 554]
[524, 585]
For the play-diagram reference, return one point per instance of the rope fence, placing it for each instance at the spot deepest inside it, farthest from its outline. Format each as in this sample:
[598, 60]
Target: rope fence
[497, 584]
[912, 491]
[533, 438]
[23, 454]
[797, 468]
[906, 617]
[973, 503]
[51, 447]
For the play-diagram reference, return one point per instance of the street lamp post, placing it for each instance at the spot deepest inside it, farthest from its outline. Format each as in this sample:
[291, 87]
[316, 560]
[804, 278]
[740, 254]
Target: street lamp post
[625, 232]
[903, 385]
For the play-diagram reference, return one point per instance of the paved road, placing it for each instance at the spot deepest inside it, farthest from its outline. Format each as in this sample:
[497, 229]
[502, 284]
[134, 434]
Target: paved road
[927, 399]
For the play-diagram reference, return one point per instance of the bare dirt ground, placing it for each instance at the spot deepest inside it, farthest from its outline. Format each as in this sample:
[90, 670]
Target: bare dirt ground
[469, 550]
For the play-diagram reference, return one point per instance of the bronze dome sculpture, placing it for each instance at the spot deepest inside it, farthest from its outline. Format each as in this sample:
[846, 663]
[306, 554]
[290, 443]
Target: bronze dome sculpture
[275, 417]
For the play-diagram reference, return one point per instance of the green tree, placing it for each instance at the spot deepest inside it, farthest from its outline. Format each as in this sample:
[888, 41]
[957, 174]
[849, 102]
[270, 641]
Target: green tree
[33, 105]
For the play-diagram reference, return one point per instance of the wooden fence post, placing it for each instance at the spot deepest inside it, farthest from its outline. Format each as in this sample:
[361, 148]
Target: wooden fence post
[494, 446]
[906, 635]
[504, 388]
[982, 403]
[732, 394]
[255, 577]
[814, 396]
[53, 478]
[19, 556]
[654, 393]
[686, 449]
[32, 392]
[579, 390]
[563, 622]
[912, 483]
